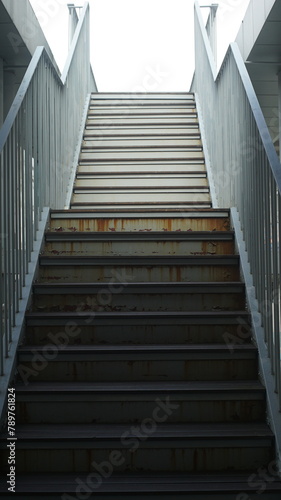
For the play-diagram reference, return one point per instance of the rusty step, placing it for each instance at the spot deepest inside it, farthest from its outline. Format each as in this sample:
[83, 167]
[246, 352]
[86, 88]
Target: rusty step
[232, 328]
[138, 243]
[131, 402]
[200, 447]
[138, 297]
[129, 268]
[137, 220]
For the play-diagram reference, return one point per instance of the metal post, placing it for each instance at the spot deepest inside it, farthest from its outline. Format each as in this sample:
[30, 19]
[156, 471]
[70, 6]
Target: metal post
[279, 111]
[211, 27]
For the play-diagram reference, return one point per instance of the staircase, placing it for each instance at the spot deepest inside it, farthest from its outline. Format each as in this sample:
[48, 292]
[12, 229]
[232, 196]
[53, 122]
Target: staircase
[138, 376]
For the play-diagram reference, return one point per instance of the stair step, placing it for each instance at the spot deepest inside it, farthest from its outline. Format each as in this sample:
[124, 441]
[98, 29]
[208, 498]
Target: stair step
[140, 235]
[190, 143]
[141, 269]
[122, 183]
[138, 220]
[92, 434]
[141, 132]
[145, 169]
[154, 447]
[137, 363]
[136, 175]
[80, 205]
[133, 318]
[147, 486]
[139, 155]
[232, 329]
[139, 101]
[151, 111]
[141, 95]
[189, 121]
[138, 297]
[131, 402]
[138, 243]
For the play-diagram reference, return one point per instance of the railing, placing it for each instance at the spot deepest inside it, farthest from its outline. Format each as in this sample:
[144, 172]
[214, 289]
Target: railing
[37, 145]
[247, 173]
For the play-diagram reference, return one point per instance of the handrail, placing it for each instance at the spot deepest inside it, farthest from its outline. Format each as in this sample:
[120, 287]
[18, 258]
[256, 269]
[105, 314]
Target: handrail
[247, 175]
[37, 145]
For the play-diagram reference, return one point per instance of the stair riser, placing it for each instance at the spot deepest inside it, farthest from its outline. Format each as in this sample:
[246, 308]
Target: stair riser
[151, 111]
[188, 495]
[108, 274]
[132, 409]
[141, 155]
[147, 121]
[141, 132]
[99, 301]
[92, 197]
[139, 247]
[147, 458]
[134, 169]
[107, 369]
[98, 102]
[132, 142]
[152, 184]
[137, 334]
[139, 223]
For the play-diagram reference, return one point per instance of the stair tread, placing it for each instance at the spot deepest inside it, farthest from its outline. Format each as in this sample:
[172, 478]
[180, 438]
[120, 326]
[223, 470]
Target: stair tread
[176, 285]
[135, 235]
[157, 260]
[145, 483]
[172, 348]
[73, 432]
[146, 387]
[147, 314]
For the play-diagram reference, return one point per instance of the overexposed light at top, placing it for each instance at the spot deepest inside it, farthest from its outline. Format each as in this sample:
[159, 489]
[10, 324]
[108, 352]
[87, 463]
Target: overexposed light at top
[134, 42]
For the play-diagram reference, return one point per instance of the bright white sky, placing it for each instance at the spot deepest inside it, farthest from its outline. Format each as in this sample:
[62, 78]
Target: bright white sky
[131, 39]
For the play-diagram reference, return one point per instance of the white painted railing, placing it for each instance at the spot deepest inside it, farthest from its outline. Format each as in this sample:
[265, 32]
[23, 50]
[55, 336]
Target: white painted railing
[247, 175]
[37, 146]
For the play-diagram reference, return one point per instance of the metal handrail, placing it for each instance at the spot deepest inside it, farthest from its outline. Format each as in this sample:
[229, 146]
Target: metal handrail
[37, 145]
[247, 174]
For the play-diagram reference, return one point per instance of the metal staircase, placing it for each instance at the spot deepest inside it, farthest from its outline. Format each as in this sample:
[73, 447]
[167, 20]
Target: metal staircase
[138, 377]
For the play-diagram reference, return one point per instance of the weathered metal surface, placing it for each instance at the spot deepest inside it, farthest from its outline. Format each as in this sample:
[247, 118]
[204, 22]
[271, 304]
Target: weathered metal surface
[76, 273]
[183, 222]
[171, 367]
[139, 301]
[196, 456]
[136, 330]
[140, 247]
[130, 408]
